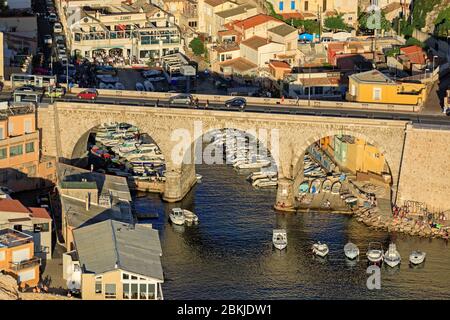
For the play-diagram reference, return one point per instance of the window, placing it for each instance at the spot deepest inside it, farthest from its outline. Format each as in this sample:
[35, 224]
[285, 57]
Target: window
[126, 291]
[110, 291]
[98, 287]
[2, 136]
[10, 129]
[2, 255]
[28, 126]
[151, 291]
[143, 291]
[3, 153]
[134, 291]
[377, 94]
[16, 150]
[125, 276]
[281, 5]
[29, 147]
[44, 227]
[31, 171]
[306, 6]
[293, 5]
[353, 92]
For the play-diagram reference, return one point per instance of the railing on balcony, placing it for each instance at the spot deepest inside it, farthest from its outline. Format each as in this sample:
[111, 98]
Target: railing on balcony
[33, 262]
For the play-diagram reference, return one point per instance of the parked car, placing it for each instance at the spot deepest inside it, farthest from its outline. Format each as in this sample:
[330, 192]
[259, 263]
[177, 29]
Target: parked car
[89, 94]
[183, 98]
[57, 92]
[236, 102]
[57, 28]
[52, 17]
[48, 39]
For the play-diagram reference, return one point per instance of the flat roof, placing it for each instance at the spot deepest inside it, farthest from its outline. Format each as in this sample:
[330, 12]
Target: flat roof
[235, 11]
[255, 42]
[239, 64]
[283, 30]
[372, 76]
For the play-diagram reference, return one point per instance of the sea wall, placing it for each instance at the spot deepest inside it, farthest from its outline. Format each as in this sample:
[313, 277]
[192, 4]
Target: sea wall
[425, 167]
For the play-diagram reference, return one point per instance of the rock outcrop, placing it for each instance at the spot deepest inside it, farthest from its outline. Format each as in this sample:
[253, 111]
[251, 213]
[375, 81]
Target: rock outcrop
[8, 288]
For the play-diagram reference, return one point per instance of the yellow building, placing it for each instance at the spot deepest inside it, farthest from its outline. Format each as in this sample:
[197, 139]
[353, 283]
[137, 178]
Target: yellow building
[21, 165]
[375, 87]
[354, 155]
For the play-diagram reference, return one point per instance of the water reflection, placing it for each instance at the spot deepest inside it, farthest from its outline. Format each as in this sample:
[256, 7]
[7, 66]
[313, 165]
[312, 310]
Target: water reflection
[229, 254]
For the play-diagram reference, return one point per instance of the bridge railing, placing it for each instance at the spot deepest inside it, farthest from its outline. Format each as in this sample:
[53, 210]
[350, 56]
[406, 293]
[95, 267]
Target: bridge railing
[276, 102]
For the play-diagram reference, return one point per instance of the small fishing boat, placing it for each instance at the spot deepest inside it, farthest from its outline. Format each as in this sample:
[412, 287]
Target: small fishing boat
[303, 188]
[326, 186]
[351, 200]
[260, 163]
[198, 177]
[190, 217]
[320, 249]
[177, 216]
[417, 257]
[336, 187]
[279, 239]
[375, 252]
[392, 256]
[315, 186]
[351, 251]
[265, 182]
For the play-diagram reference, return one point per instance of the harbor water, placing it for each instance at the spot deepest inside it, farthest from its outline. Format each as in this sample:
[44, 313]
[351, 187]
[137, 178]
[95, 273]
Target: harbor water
[229, 254]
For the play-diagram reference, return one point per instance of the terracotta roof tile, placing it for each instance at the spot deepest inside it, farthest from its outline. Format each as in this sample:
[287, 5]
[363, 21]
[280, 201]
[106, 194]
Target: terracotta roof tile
[9, 205]
[255, 21]
[39, 213]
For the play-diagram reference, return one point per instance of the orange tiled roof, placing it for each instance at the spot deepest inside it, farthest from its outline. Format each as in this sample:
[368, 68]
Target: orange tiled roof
[254, 21]
[10, 205]
[39, 213]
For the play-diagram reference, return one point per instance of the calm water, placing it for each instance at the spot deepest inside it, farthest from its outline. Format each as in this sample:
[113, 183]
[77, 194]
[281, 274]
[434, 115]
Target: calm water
[229, 254]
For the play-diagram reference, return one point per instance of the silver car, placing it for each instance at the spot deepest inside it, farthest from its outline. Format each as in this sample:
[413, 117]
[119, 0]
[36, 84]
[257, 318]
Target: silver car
[183, 98]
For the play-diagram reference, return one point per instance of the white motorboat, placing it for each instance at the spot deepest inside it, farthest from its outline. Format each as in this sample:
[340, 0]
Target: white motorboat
[265, 182]
[177, 216]
[375, 252]
[417, 257]
[261, 175]
[279, 238]
[253, 165]
[351, 251]
[320, 249]
[198, 177]
[189, 216]
[392, 256]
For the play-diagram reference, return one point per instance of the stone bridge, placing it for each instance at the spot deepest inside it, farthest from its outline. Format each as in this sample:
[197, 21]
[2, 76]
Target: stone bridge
[65, 129]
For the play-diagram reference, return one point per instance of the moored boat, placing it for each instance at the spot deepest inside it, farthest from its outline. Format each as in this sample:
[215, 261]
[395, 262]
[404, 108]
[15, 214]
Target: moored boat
[177, 216]
[417, 257]
[375, 252]
[392, 256]
[320, 249]
[279, 239]
[351, 251]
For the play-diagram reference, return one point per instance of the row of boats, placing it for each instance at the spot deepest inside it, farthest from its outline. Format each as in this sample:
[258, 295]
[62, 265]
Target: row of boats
[243, 154]
[130, 156]
[375, 253]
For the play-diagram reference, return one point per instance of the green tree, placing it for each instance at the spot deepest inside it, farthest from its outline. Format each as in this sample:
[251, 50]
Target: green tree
[414, 42]
[197, 46]
[363, 18]
[336, 23]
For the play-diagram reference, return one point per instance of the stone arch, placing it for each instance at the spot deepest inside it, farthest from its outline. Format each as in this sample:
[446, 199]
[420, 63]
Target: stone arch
[299, 152]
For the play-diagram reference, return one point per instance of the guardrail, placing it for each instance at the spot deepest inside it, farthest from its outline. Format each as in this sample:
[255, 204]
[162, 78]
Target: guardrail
[257, 100]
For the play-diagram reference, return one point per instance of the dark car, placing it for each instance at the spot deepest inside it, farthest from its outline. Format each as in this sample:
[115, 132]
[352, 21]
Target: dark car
[236, 103]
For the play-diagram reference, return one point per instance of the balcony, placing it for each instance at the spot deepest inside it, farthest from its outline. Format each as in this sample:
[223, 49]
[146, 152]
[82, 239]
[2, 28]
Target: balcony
[26, 264]
[11, 238]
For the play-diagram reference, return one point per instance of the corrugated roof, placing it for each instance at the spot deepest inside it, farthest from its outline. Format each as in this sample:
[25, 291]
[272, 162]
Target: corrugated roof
[111, 245]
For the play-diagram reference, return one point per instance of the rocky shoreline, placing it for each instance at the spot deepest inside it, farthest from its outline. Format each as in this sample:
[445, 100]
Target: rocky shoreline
[372, 218]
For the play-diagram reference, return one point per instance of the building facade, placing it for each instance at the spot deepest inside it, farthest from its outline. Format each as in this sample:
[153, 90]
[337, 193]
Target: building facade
[17, 257]
[22, 167]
